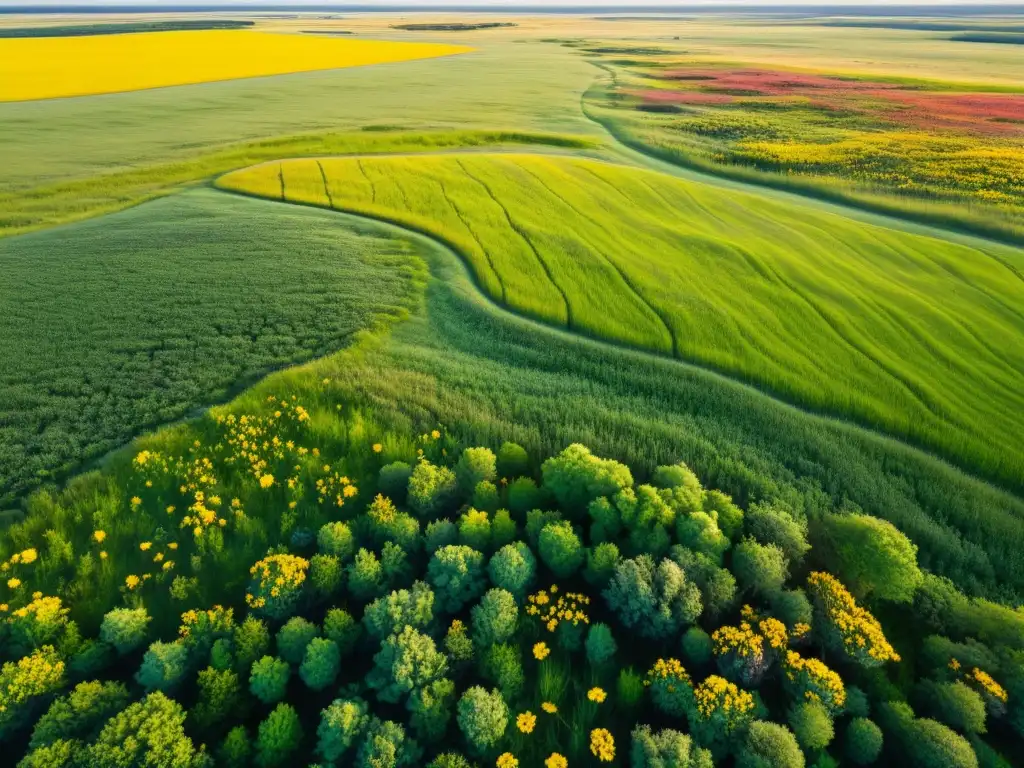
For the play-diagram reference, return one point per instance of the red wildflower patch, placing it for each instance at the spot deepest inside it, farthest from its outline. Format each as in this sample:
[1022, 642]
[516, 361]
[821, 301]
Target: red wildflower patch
[682, 97]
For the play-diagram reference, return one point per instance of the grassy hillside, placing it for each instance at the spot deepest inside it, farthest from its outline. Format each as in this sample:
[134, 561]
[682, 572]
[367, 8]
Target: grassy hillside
[919, 337]
[136, 319]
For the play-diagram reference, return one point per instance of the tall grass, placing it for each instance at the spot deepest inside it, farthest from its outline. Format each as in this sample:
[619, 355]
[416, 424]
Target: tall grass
[920, 337]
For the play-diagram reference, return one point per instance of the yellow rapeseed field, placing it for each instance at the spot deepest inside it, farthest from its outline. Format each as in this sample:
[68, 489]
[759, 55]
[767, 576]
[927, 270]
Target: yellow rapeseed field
[52, 67]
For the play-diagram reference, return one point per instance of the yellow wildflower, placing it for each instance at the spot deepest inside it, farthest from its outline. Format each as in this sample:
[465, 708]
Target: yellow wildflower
[435, 434]
[541, 651]
[145, 545]
[136, 501]
[597, 695]
[507, 760]
[99, 536]
[13, 583]
[103, 555]
[28, 556]
[556, 761]
[266, 481]
[602, 745]
[549, 707]
[377, 447]
[132, 581]
[526, 721]
[173, 545]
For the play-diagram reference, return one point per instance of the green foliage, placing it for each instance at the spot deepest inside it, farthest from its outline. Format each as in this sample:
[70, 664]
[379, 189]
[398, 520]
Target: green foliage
[220, 697]
[251, 642]
[629, 688]
[697, 646]
[148, 732]
[326, 574]
[760, 568]
[486, 497]
[456, 574]
[394, 480]
[431, 489]
[320, 665]
[278, 737]
[871, 557]
[335, 538]
[863, 743]
[475, 530]
[341, 725]
[513, 568]
[390, 614]
[728, 516]
[792, 607]
[684, 484]
[386, 746]
[385, 523]
[666, 748]
[293, 637]
[812, 724]
[503, 529]
[576, 477]
[59, 754]
[440, 533]
[163, 667]
[560, 549]
[365, 575]
[601, 563]
[502, 664]
[430, 709]
[774, 524]
[125, 628]
[269, 679]
[475, 466]
[495, 618]
[79, 714]
[512, 461]
[768, 745]
[699, 532]
[406, 661]
[457, 644]
[524, 495]
[342, 629]
[483, 717]
[954, 704]
[236, 749]
[655, 601]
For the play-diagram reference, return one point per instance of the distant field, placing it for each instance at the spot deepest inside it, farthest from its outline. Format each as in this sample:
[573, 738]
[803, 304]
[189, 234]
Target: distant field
[123, 28]
[46, 68]
[134, 320]
[920, 337]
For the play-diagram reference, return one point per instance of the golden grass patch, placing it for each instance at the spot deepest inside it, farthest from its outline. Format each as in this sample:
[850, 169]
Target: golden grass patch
[53, 67]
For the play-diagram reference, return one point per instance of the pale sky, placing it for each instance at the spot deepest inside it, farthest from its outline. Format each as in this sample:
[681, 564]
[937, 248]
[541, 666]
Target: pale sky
[511, 4]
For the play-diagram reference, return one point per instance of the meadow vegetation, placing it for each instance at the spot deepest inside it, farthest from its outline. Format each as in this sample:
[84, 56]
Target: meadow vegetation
[927, 352]
[169, 307]
[54, 67]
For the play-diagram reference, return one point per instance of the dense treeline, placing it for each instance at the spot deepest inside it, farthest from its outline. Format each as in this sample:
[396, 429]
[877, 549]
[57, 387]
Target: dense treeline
[123, 28]
[296, 584]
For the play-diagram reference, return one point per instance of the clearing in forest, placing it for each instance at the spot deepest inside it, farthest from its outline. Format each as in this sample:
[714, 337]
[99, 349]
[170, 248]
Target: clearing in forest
[53, 67]
[918, 336]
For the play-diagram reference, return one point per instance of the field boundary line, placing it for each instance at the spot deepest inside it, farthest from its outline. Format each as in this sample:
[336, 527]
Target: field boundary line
[515, 228]
[608, 260]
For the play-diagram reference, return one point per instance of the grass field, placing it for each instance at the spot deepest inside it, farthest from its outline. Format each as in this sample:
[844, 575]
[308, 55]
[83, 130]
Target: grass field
[47, 68]
[919, 337]
[168, 307]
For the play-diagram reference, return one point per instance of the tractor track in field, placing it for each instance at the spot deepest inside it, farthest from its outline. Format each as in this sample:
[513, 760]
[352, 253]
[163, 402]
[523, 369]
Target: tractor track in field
[487, 254]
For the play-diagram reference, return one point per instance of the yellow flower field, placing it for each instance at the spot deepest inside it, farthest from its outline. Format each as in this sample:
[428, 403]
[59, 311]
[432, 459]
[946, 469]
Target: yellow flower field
[53, 67]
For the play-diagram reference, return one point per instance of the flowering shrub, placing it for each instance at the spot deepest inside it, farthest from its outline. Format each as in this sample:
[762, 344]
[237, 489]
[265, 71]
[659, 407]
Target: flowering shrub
[812, 680]
[847, 625]
[276, 584]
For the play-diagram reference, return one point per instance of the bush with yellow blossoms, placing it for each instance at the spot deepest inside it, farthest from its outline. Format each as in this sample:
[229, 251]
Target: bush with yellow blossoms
[24, 681]
[276, 585]
[720, 709]
[846, 626]
[561, 613]
[602, 745]
[44, 621]
[994, 695]
[813, 680]
[748, 651]
[670, 687]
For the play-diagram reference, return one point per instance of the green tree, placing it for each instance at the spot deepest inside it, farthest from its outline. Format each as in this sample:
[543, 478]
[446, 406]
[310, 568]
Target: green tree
[576, 477]
[699, 532]
[760, 568]
[600, 645]
[220, 697]
[871, 557]
[475, 465]
[475, 530]
[387, 746]
[326, 575]
[293, 637]
[125, 628]
[385, 523]
[320, 665]
[601, 563]
[335, 538]
[163, 667]
[697, 647]
[440, 533]
[495, 618]
[768, 745]
[147, 733]
[665, 749]
[512, 461]
[388, 615]
[269, 679]
[431, 709]
[513, 568]
[431, 489]
[954, 704]
[792, 607]
[344, 630]
[503, 529]
[503, 666]
[560, 549]
[653, 601]
[406, 661]
[278, 737]
[393, 481]
[236, 750]
[486, 497]
[482, 718]
[773, 523]
[251, 641]
[863, 743]
[688, 494]
[341, 725]
[524, 495]
[451, 760]
[456, 573]
[79, 714]
[59, 754]
[365, 576]
[812, 724]
[728, 516]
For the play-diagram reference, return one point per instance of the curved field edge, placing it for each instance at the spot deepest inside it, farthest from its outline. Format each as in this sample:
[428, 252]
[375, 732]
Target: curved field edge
[489, 375]
[168, 307]
[935, 214]
[24, 210]
[584, 277]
